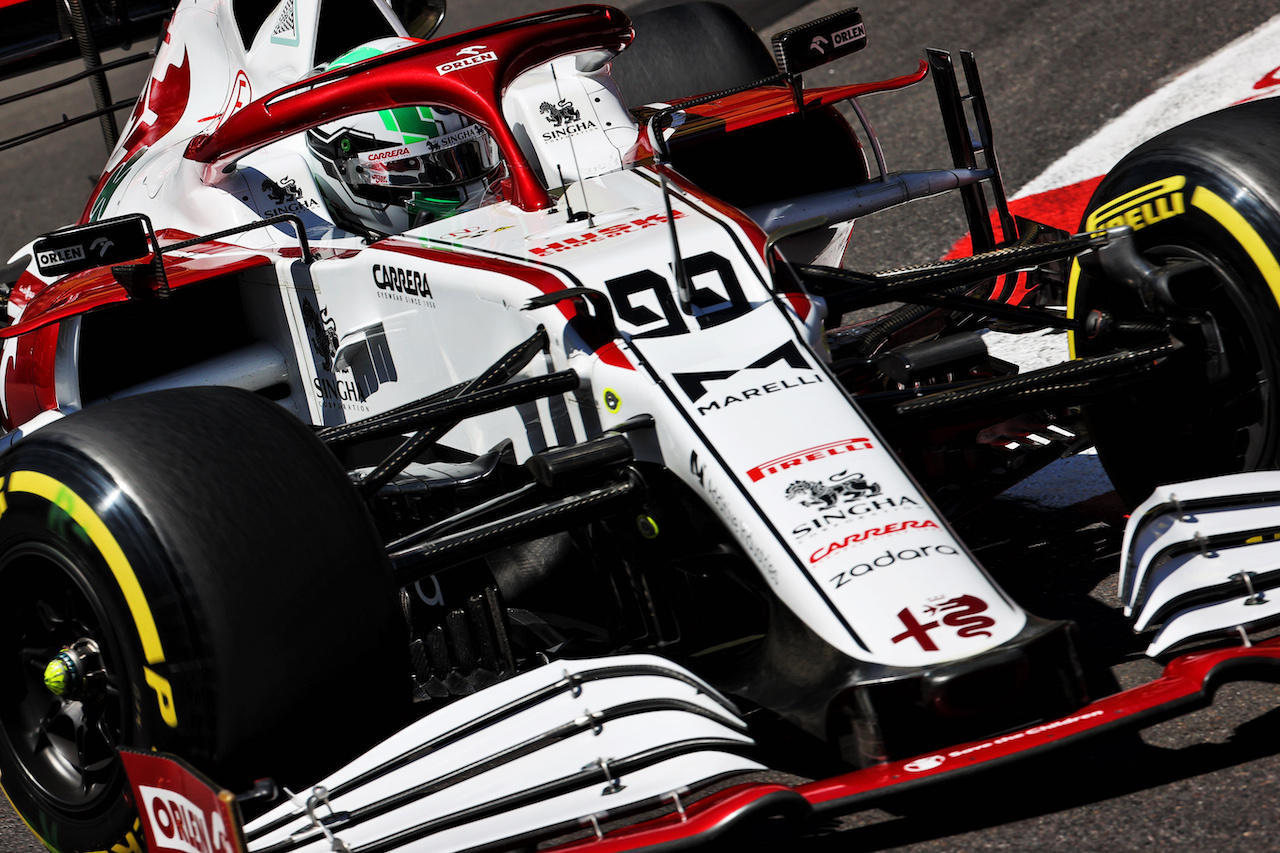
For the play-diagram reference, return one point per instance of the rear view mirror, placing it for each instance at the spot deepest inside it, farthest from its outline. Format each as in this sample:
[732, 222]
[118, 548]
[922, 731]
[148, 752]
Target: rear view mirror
[819, 42]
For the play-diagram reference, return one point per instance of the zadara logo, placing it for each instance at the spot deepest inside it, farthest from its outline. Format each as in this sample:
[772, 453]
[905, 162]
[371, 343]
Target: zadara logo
[811, 454]
[890, 558]
[176, 823]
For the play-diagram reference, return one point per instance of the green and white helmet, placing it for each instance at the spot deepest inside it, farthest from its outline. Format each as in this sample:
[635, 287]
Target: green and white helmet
[396, 169]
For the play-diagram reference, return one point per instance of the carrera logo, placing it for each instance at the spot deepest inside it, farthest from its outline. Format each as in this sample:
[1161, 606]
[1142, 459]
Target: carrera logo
[854, 539]
[1144, 206]
[601, 234]
[58, 257]
[387, 155]
[400, 281]
[889, 558]
[176, 823]
[469, 56]
[811, 454]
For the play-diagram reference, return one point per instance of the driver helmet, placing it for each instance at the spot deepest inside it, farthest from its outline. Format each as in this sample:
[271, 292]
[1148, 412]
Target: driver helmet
[396, 169]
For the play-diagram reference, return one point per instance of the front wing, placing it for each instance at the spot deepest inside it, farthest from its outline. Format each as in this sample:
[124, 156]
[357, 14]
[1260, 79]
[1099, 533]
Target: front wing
[164, 784]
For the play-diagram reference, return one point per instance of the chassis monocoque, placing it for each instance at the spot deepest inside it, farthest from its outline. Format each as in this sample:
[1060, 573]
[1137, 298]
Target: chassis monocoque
[573, 506]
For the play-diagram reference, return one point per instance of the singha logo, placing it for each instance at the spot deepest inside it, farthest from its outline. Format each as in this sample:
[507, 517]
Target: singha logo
[322, 331]
[560, 114]
[841, 487]
[287, 190]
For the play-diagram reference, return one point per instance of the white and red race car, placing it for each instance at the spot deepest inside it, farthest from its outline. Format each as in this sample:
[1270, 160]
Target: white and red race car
[429, 427]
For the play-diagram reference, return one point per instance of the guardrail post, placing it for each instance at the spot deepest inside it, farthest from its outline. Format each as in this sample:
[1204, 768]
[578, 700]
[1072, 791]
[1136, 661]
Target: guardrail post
[92, 59]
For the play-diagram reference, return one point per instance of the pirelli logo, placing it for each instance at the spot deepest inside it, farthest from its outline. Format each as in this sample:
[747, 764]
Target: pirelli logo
[812, 454]
[1144, 206]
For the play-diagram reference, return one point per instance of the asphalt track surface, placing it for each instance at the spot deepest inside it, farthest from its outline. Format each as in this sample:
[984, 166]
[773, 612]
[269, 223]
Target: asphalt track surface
[1053, 73]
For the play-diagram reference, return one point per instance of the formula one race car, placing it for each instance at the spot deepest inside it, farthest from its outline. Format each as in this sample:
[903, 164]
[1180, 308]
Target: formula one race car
[464, 434]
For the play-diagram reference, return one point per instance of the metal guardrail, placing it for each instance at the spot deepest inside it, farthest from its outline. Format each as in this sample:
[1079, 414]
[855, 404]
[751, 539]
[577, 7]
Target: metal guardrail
[42, 33]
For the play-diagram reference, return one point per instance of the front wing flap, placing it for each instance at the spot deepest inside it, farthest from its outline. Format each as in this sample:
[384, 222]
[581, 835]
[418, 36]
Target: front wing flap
[397, 781]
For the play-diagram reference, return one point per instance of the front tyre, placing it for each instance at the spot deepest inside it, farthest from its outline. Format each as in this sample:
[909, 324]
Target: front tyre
[1204, 202]
[189, 571]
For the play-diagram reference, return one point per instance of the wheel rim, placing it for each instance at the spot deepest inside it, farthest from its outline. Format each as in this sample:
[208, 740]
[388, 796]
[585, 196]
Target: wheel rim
[1239, 406]
[64, 745]
[1201, 425]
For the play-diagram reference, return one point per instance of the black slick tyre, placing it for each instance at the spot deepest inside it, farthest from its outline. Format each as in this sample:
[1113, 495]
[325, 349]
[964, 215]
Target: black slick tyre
[1204, 202]
[189, 571]
[689, 49]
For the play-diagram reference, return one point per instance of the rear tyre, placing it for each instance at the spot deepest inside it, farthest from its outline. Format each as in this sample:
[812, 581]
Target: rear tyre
[689, 49]
[1203, 198]
[699, 48]
[190, 571]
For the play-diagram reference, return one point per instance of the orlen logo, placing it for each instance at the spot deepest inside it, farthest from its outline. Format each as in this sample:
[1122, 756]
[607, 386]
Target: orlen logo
[812, 454]
[857, 31]
[180, 824]
[58, 257]
[469, 56]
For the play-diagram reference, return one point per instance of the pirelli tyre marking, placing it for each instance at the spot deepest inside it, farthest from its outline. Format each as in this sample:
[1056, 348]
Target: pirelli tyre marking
[58, 494]
[1161, 200]
[1144, 206]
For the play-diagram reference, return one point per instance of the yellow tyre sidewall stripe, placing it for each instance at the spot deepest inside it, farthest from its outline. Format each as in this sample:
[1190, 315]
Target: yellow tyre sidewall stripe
[1232, 221]
[58, 494]
[1239, 228]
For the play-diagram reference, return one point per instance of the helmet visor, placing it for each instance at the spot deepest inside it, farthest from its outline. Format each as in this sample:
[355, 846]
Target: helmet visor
[454, 158]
